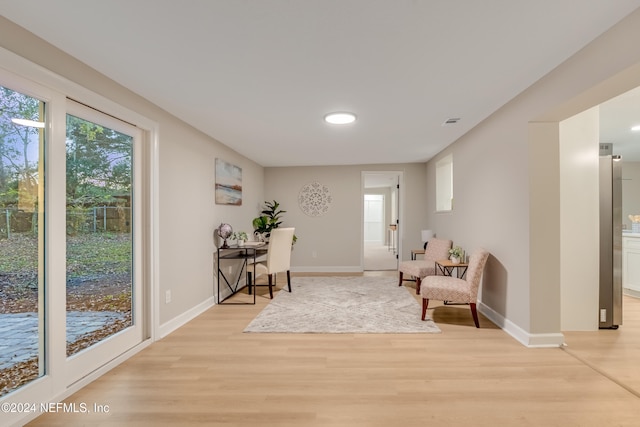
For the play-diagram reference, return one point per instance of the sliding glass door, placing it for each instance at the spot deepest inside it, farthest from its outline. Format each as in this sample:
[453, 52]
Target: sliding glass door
[103, 287]
[74, 186]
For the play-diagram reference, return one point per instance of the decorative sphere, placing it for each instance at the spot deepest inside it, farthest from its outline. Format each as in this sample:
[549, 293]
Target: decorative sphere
[224, 230]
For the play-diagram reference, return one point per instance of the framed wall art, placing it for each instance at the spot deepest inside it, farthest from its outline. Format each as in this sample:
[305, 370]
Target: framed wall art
[228, 183]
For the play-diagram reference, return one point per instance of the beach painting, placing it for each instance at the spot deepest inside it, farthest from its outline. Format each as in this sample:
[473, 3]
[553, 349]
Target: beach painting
[228, 183]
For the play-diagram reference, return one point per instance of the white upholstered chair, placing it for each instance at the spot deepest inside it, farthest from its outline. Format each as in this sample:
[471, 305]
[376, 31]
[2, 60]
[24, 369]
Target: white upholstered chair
[278, 257]
[447, 288]
[436, 250]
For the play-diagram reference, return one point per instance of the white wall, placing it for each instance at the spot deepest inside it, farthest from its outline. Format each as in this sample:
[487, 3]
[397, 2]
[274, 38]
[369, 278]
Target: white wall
[579, 221]
[336, 238]
[189, 215]
[506, 191]
[491, 210]
[630, 191]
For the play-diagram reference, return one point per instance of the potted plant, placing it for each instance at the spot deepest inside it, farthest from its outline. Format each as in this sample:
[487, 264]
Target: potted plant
[240, 237]
[268, 220]
[261, 227]
[455, 254]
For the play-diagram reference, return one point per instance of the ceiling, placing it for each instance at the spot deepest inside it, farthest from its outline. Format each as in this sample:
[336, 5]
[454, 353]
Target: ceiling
[260, 75]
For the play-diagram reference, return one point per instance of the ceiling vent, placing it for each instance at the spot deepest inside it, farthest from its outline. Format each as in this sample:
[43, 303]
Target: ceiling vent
[451, 121]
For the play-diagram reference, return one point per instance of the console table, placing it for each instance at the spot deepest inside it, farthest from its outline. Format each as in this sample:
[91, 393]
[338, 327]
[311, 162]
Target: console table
[247, 256]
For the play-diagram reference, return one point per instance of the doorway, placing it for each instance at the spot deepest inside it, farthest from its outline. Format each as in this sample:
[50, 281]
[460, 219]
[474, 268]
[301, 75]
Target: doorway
[607, 125]
[381, 220]
[618, 133]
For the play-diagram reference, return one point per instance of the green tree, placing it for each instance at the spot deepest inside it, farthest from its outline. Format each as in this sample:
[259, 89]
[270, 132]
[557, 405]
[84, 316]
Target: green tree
[18, 161]
[98, 162]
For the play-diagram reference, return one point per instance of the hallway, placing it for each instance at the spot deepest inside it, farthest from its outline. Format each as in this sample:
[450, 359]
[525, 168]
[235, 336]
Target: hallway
[379, 257]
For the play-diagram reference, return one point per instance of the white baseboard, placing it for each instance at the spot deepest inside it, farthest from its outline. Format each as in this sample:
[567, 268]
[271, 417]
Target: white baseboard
[522, 336]
[631, 292]
[173, 324]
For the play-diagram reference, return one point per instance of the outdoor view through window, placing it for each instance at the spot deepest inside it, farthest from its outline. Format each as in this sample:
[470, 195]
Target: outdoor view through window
[99, 243]
[22, 137]
[98, 238]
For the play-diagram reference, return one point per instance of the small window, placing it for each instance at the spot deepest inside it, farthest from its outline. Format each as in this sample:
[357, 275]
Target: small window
[444, 184]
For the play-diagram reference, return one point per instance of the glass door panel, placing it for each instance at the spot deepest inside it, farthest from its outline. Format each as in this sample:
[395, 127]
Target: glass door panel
[102, 287]
[22, 136]
[99, 241]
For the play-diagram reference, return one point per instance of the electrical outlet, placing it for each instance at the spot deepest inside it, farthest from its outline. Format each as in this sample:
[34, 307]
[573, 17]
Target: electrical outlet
[167, 297]
[603, 315]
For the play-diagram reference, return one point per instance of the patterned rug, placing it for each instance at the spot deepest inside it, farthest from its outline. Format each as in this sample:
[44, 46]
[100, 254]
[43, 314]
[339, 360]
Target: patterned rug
[335, 305]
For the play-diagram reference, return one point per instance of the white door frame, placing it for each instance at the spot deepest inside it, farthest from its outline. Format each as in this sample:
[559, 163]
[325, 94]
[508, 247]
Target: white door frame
[396, 178]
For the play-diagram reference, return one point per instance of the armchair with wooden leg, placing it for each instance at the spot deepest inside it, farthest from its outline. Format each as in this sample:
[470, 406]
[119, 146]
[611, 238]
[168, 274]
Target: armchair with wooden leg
[452, 289]
[436, 250]
[278, 258]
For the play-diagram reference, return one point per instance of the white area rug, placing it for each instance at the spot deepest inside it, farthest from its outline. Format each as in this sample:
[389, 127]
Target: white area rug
[343, 305]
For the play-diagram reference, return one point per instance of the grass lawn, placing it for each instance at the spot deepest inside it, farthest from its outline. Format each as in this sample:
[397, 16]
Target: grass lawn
[98, 279]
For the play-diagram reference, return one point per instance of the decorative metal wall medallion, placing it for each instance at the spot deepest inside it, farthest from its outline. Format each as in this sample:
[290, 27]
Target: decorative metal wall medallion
[314, 199]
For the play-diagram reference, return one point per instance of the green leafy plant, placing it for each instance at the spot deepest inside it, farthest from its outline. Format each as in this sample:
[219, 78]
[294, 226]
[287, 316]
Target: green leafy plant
[269, 219]
[261, 225]
[239, 235]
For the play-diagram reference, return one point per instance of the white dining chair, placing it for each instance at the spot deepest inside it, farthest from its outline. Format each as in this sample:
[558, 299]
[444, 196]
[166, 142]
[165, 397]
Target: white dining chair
[278, 258]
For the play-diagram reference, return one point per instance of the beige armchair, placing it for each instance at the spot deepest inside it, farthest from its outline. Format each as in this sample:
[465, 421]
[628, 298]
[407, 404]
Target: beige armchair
[436, 250]
[447, 288]
[278, 258]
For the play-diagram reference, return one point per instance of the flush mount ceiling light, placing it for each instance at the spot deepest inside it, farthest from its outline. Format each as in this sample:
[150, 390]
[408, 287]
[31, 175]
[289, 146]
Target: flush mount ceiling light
[340, 118]
[636, 128]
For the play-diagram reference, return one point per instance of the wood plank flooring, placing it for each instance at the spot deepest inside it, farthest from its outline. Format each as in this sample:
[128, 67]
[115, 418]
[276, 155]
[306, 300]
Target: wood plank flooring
[209, 373]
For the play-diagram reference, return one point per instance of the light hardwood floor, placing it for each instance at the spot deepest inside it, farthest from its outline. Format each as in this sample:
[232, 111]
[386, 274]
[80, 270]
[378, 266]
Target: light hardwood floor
[209, 373]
